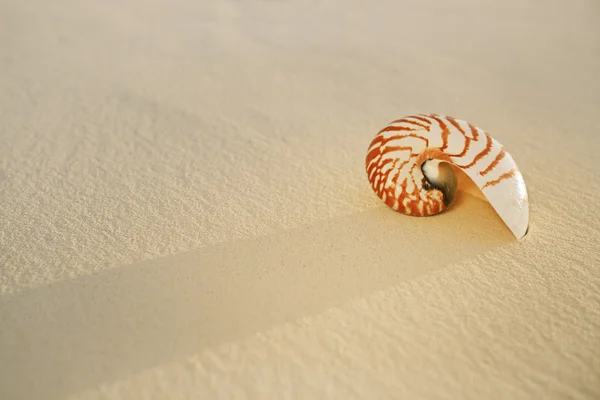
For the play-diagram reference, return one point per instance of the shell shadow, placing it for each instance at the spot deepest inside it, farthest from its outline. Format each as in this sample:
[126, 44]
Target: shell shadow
[74, 335]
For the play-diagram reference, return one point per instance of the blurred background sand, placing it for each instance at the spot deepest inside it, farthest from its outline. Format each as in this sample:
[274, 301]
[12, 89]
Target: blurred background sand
[185, 213]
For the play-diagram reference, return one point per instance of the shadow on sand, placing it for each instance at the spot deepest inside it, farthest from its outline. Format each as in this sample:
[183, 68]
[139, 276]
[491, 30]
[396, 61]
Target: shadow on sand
[73, 335]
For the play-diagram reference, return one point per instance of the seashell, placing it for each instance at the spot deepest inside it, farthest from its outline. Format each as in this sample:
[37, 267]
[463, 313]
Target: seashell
[408, 166]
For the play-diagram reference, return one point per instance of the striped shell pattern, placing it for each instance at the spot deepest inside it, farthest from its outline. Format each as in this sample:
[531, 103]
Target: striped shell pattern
[408, 167]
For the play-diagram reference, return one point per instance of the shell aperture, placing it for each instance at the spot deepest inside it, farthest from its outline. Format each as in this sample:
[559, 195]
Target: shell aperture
[408, 167]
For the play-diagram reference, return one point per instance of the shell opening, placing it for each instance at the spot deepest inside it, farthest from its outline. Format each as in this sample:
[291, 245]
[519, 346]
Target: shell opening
[440, 175]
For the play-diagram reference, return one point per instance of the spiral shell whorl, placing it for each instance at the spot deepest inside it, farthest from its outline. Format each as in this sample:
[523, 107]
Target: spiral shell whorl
[407, 167]
[394, 167]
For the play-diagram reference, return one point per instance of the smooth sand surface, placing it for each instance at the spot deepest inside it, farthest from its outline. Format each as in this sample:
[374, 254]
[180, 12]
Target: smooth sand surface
[185, 212]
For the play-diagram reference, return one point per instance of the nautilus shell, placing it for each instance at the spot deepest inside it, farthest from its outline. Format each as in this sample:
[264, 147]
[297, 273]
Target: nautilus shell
[410, 165]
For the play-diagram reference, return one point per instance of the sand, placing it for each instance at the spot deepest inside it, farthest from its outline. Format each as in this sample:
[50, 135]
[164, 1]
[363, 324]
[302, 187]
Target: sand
[185, 213]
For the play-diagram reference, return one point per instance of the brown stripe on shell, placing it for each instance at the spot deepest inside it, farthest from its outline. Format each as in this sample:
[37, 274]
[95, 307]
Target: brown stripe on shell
[421, 118]
[502, 177]
[408, 121]
[445, 131]
[467, 139]
[483, 153]
[494, 163]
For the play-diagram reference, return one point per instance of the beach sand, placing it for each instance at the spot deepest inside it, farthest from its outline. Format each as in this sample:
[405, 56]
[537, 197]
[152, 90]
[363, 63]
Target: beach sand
[185, 211]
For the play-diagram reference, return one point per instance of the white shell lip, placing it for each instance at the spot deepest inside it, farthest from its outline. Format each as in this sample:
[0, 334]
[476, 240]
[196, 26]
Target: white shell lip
[512, 205]
[510, 202]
